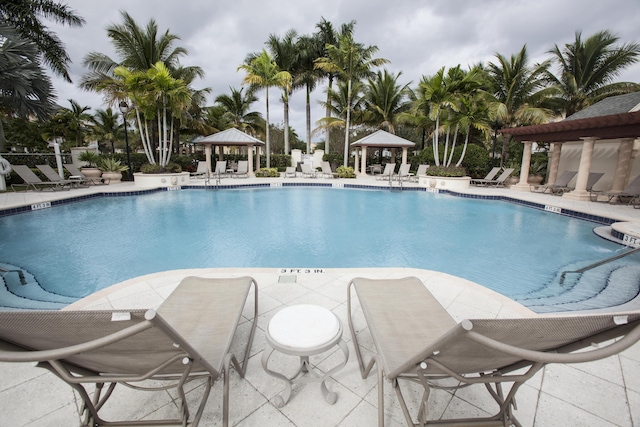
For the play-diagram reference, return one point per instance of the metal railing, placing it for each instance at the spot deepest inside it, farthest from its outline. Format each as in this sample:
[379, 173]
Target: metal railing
[23, 281]
[598, 264]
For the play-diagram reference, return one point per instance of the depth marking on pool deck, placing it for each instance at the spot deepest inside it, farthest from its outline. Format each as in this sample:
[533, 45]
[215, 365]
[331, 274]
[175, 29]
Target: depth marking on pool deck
[302, 270]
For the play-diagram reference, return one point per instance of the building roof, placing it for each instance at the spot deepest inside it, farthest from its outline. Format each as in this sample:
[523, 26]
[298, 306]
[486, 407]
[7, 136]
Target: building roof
[612, 118]
[228, 137]
[626, 103]
[382, 139]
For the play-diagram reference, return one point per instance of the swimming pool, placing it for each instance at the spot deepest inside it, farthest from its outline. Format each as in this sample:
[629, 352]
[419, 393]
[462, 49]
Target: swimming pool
[79, 248]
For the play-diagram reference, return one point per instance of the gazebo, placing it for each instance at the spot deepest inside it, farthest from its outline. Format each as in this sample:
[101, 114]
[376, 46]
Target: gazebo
[377, 140]
[606, 131]
[229, 138]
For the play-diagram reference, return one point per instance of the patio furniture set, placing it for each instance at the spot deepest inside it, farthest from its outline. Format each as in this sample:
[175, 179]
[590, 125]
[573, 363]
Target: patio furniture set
[191, 335]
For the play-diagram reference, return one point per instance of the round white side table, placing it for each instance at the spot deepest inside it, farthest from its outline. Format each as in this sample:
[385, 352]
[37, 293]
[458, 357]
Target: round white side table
[304, 330]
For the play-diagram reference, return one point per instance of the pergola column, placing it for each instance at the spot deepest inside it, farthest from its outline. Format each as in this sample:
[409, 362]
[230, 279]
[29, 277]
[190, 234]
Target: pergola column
[554, 165]
[623, 167]
[580, 192]
[363, 166]
[405, 150]
[523, 185]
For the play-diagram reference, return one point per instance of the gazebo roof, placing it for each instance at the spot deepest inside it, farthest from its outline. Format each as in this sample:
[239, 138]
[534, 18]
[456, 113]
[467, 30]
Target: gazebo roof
[229, 137]
[382, 139]
[611, 118]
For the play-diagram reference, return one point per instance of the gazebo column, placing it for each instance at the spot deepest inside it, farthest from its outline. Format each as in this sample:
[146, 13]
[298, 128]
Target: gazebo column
[363, 166]
[555, 163]
[523, 185]
[580, 192]
[250, 159]
[356, 153]
[623, 167]
[207, 157]
[405, 150]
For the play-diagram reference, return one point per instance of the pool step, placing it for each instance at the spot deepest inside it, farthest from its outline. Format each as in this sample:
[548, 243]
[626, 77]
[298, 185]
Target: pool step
[22, 291]
[611, 286]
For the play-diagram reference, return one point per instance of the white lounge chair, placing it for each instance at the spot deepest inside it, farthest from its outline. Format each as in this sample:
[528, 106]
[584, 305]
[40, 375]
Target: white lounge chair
[388, 173]
[201, 171]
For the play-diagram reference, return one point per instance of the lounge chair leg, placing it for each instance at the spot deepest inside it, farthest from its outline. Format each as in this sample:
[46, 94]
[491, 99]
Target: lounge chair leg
[380, 396]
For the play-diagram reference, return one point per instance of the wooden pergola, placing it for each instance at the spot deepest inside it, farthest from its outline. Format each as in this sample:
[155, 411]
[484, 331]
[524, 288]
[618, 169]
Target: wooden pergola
[616, 118]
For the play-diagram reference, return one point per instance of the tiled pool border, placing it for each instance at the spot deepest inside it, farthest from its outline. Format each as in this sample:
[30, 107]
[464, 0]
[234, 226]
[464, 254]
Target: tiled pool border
[547, 208]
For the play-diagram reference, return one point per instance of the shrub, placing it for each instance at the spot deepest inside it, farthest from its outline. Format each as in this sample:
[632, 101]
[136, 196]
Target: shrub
[267, 173]
[170, 168]
[450, 171]
[346, 172]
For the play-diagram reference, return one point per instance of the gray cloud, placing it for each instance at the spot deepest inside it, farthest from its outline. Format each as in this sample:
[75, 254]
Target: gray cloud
[418, 37]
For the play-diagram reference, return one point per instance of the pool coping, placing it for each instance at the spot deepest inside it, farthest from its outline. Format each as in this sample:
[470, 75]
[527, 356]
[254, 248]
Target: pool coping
[598, 219]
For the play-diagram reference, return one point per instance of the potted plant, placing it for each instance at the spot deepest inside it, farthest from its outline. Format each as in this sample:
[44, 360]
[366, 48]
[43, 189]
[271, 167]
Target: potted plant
[112, 168]
[91, 158]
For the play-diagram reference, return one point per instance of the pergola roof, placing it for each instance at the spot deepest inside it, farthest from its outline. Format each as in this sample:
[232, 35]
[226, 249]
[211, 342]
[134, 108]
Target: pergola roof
[382, 139]
[612, 118]
[229, 137]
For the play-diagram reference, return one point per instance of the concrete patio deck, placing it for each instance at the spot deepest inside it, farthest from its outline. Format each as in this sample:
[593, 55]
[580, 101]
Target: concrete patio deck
[604, 393]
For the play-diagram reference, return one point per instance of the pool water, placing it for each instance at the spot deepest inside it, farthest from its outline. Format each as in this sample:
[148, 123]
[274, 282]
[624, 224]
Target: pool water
[79, 248]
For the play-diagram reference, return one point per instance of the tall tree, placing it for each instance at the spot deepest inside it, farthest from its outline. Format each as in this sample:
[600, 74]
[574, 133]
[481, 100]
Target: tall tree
[327, 35]
[76, 120]
[25, 88]
[26, 17]
[285, 55]
[520, 91]
[385, 99]
[105, 127]
[237, 111]
[351, 61]
[587, 69]
[263, 72]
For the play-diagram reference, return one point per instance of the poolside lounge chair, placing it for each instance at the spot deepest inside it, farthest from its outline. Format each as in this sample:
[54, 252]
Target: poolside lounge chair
[489, 178]
[53, 176]
[422, 169]
[561, 183]
[243, 169]
[221, 168]
[502, 179]
[188, 337]
[631, 191]
[307, 171]
[201, 170]
[290, 172]
[403, 172]
[592, 179]
[32, 181]
[77, 174]
[388, 173]
[326, 170]
[416, 340]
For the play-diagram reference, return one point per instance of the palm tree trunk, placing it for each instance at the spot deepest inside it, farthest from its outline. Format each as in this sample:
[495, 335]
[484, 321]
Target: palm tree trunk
[286, 123]
[268, 145]
[346, 127]
[327, 115]
[436, 141]
[308, 107]
[464, 148]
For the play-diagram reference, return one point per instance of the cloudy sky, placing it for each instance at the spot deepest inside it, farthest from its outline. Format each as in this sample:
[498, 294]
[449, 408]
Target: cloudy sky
[417, 36]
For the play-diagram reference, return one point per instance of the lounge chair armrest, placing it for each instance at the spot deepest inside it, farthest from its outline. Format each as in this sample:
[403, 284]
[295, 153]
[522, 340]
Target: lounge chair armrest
[61, 353]
[548, 357]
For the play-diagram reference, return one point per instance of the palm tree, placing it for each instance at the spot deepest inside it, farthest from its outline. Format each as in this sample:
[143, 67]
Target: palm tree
[587, 69]
[140, 50]
[285, 55]
[104, 126]
[25, 88]
[519, 91]
[385, 99]
[325, 36]
[76, 120]
[337, 106]
[262, 71]
[351, 61]
[307, 75]
[237, 112]
[26, 17]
